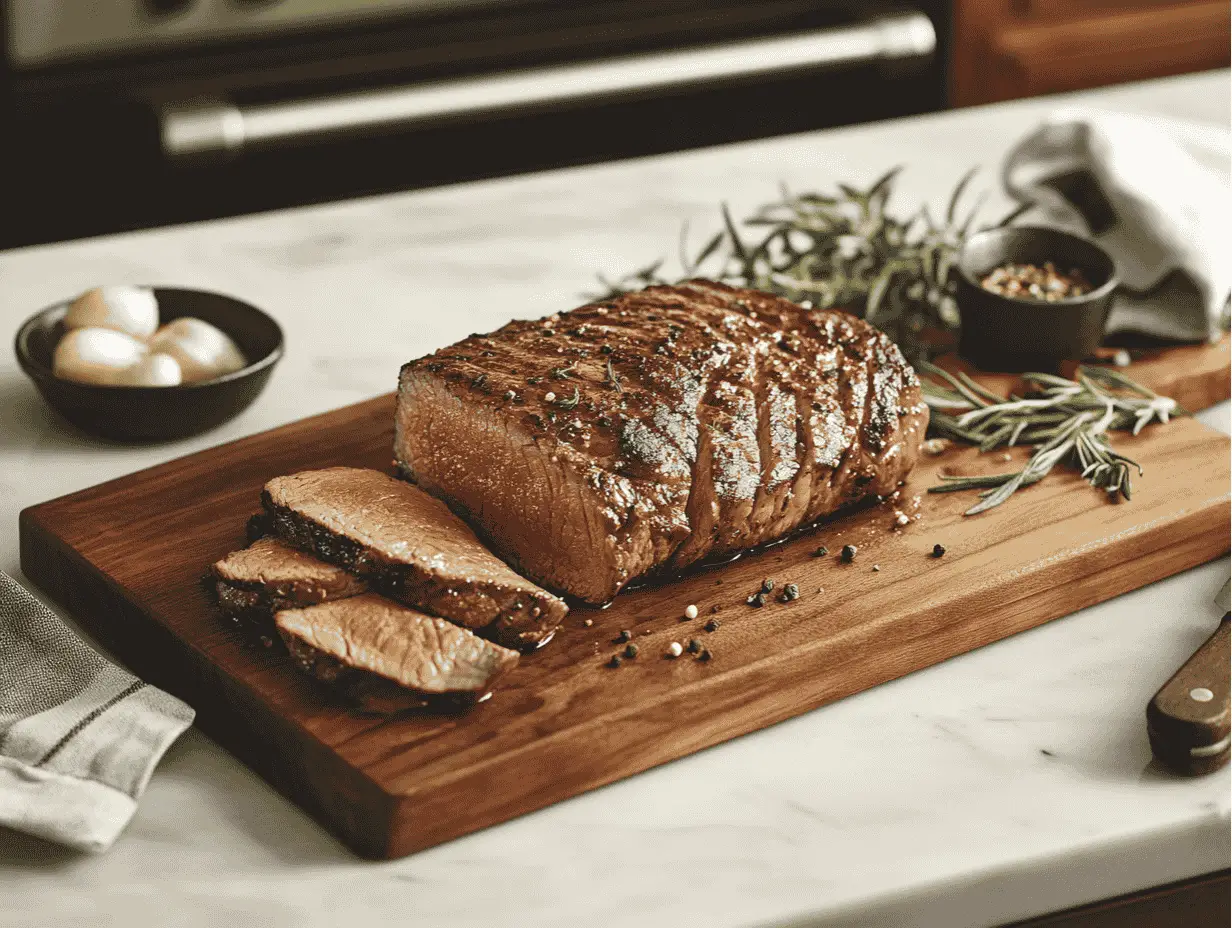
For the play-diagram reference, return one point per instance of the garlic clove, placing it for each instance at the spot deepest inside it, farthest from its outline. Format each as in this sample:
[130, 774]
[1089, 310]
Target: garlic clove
[154, 370]
[96, 356]
[132, 310]
[203, 351]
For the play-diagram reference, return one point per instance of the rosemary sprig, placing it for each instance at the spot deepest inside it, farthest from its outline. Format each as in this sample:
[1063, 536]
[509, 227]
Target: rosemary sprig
[613, 378]
[570, 402]
[844, 249]
[1065, 420]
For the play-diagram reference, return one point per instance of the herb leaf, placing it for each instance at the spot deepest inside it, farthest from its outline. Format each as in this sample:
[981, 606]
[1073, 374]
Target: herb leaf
[845, 249]
[1064, 419]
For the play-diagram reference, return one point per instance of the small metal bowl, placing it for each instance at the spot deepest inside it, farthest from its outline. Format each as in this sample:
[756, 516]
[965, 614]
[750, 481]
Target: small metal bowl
[1006, 333]
[157, 413]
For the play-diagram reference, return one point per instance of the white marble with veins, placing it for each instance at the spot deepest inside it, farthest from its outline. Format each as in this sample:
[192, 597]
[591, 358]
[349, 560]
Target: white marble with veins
[1008, 782]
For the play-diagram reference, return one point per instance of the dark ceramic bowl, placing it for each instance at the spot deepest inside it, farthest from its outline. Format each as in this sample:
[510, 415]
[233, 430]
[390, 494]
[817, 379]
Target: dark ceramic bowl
[157, 413]
[1006, 333]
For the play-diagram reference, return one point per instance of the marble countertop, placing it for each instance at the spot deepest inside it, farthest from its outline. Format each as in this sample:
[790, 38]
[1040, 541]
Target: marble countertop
[1011, 781]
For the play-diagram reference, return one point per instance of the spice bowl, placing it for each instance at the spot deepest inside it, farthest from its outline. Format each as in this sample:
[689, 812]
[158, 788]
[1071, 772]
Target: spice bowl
[1004, 332]
[140, 414]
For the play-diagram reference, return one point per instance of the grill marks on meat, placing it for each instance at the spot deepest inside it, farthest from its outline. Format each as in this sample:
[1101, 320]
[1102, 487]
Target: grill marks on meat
[735, 417]
[409, 546]
[391, 657]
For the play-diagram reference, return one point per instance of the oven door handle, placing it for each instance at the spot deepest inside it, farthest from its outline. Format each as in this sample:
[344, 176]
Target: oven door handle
[197, 128]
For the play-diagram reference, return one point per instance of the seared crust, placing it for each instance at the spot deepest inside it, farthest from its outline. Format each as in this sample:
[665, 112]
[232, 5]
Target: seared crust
[412, 548]
[708, 419]
[255, 582]
[391, 658]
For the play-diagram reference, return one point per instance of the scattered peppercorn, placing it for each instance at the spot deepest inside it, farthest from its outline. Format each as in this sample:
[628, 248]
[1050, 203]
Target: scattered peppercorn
[690, 611]
[938, 550]
[848, 554]
[705, 655]
[695, 646]
[510, 395]
[790, 592]
[625, 635]
[757, 600]
[821, 552]
[767, 585]
[615, 661]
[631, 651]
[714, 610]
[712, 625]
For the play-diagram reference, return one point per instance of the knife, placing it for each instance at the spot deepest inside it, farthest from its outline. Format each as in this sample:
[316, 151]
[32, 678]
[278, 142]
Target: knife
[1188, 719]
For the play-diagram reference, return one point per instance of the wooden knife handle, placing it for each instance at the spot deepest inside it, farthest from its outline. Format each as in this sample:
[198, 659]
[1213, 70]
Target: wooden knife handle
[1188, 719]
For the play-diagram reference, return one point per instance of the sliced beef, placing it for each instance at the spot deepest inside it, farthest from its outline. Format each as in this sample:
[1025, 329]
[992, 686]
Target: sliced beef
[409, 546]
[391, 657]
[655, 429]
[254, 583]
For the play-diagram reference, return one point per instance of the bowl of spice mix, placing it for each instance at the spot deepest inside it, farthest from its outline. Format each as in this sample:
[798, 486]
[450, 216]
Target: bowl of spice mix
[1031, 298]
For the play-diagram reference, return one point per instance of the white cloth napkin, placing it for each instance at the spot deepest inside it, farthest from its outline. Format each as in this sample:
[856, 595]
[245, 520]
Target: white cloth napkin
[1153, 193]
[79, 737]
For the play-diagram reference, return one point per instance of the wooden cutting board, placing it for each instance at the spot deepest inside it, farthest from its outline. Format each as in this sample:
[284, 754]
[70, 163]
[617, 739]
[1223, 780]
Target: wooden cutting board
[127, 558]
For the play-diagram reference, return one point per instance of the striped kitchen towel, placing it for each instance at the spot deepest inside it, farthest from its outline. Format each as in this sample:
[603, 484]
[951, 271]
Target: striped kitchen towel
[79, 737]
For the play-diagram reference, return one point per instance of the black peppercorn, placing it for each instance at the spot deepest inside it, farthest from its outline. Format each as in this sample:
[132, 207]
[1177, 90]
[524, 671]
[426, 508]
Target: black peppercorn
[790, 592]
[938, 550]
[694, 646]
[631, 651]
[767, 585]
[624, 635]
[510, 395]
[606, 349]
[848, 554]
[757, 600]
[712, 625]
[615, 661]
[705, 655]
[821, 552]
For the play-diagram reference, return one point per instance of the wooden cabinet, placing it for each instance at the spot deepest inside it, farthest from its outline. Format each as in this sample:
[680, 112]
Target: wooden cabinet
[1005, 49]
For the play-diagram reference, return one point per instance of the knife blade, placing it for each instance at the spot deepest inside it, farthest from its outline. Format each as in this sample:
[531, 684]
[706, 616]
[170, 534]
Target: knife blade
[1187, 721]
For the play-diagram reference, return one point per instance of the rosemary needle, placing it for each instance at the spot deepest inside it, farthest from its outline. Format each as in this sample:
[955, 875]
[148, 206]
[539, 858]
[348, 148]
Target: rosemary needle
[843, 249]
[1065, 420]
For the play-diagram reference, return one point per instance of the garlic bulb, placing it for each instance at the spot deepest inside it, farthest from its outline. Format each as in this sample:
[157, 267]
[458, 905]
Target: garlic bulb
[154, 370]
[202, 350]
[97, 356]
[132, 310]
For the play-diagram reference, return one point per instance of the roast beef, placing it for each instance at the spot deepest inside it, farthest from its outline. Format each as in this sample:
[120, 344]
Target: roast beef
[388, 656]
[252, 584]
[658, 428]
[409, 546]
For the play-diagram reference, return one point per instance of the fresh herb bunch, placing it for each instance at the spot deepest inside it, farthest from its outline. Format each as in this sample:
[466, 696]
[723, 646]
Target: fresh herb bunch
[844, 249]
[1063, 419]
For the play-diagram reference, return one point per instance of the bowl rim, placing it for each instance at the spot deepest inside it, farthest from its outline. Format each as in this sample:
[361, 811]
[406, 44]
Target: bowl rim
[1103, 290]
[35, 369]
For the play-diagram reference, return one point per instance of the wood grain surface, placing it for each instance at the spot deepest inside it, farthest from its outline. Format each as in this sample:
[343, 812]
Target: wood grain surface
[127, 558]
[1196, 376]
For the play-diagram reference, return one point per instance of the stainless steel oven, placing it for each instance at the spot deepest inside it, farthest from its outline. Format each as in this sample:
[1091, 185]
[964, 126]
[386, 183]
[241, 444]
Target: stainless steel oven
[130, 113]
